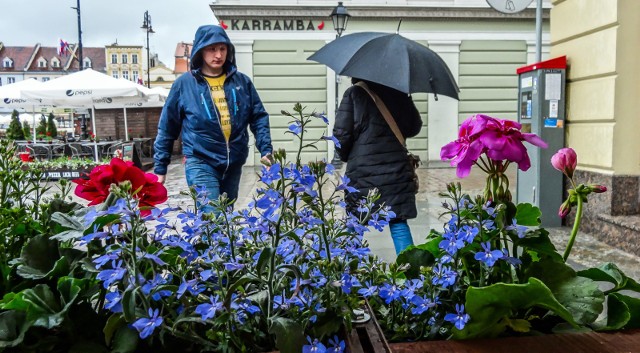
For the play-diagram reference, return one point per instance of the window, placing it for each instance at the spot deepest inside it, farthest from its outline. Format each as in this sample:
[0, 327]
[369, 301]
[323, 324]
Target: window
[134, 58]
[86, 63]
[135, 75]
[55, 62]
[114, 74]
[7, 62]
[11, 80]
[124, 58]
[114, 58]
[42, 63]
[45, 79]
[125, 74]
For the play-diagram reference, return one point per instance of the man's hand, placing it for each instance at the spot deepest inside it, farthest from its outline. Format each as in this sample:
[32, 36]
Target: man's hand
[267, 160]
[161, 178]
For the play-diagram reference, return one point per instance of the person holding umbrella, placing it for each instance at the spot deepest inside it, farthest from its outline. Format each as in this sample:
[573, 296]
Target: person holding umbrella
[375, 157]
[212, 106]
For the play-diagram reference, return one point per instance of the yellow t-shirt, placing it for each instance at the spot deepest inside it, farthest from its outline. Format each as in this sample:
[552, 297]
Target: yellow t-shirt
[216, 84]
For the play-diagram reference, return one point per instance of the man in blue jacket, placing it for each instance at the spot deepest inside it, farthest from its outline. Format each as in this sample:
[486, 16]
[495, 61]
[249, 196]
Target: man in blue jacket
[212, 105]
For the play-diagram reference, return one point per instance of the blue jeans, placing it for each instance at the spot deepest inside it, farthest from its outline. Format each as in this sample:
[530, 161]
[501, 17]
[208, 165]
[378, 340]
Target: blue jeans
[401, 235]
[216, 180]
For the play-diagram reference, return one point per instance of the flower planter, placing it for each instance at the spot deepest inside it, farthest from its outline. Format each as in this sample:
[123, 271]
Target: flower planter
[591, 342]
[64, 173]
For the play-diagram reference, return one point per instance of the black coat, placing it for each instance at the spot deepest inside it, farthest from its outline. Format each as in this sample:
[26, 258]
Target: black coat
[375, 158]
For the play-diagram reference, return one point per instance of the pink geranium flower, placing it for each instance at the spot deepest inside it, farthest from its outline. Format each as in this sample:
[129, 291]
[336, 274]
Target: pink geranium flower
[500, 140]
[566, 161]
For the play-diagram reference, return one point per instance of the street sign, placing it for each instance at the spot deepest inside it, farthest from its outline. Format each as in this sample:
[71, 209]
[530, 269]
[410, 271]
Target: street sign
[509, 6]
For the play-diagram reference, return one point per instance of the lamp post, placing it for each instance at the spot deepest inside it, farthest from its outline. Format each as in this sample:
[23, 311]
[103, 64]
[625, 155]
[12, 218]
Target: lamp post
[340, 18]
[146, 25]
[77, 8]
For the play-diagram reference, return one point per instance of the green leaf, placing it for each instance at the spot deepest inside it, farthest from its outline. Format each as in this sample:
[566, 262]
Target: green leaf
[45, 309]
[114, 323]
[528, 215]
[289, 335]
[13, 327]
[38, 257]
[487, 306]
[580, 295]
[617, 315]
[416, 257]
[69, 289]
[14, 301]
[67, 221]
[634, 309]
[538, 243]
[265, 259]
[100, 222]
[129, 304]
[609, 272]
[125, 341]
[68, 235]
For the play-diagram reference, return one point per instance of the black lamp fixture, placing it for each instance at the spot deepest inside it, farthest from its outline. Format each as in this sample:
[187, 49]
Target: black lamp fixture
[146, 25]
[340, 18]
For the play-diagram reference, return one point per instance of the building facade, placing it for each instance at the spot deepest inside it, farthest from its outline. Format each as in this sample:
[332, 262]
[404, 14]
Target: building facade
[481, 46]
[602, 117]
[125, 61]
[45, 63]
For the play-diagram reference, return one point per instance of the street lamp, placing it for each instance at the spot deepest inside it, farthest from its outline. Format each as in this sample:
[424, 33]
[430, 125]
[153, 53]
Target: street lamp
[186, 55]
[80, 65]
[146, 25]
[340, 18]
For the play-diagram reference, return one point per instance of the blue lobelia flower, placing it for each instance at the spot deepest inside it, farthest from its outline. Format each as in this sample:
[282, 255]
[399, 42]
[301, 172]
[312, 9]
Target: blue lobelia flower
[389, 292]
[296, 128]
[450, 243]
[344, 185]
[145, 326]
[332, 138]
[322, 116]
[337, 345]
[110, 276]
[421, 304]
[488, 256]
[271, 174]
[368, 290]
[520, 230]
[459, 319]
[314, 346]
[112, 301]
[209, 310]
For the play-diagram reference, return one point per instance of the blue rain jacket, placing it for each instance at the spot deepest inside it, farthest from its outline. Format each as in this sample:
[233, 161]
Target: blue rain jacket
[190, 110]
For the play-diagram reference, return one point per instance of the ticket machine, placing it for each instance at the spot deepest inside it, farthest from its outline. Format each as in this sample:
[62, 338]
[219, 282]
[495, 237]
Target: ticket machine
[541, 110]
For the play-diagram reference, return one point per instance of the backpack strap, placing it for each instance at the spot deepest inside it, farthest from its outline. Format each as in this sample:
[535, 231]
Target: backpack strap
[384, 110]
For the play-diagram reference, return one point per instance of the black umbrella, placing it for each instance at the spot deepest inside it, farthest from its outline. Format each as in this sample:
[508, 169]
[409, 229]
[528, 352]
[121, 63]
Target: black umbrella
[391, 60]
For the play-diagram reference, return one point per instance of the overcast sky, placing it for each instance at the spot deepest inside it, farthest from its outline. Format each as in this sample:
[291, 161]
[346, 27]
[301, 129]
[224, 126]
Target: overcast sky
[27, 22]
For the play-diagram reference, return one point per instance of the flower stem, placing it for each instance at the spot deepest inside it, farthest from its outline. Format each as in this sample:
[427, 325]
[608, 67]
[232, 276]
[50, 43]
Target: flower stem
[574, 231]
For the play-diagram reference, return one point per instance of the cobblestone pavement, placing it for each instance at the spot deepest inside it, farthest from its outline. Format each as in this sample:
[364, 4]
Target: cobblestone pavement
[587, 251]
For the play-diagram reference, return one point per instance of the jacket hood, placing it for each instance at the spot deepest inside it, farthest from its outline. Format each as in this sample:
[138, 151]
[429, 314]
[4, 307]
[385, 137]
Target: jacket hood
[207, 35]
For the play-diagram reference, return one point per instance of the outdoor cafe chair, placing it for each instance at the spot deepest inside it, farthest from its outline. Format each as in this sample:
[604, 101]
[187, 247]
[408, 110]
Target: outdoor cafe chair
[57, 151]
[80, 151]
[38, 152]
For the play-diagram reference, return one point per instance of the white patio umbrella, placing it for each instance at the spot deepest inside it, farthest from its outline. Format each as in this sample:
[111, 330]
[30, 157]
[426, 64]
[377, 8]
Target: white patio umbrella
[82, 88]
[11, 98]
[155, 98]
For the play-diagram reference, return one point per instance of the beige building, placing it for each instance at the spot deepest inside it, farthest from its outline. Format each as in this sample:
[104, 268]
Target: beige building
[602, 44]
[125, 61]
[482, 47]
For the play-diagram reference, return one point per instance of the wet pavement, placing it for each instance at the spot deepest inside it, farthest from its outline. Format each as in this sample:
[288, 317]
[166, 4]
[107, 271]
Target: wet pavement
[587, 251]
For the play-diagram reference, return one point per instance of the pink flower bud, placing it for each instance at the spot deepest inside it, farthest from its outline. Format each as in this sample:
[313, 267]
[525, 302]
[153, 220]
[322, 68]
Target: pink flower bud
[565, 160]
[564, 210]
[597, 188]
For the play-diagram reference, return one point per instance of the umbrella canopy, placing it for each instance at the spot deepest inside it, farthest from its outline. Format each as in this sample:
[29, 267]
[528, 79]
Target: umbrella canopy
[11, 95]
[391, 60]
[82, 87]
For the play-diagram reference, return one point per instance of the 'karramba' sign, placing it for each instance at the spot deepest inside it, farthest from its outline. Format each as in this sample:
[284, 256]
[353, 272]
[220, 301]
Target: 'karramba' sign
[272, 25]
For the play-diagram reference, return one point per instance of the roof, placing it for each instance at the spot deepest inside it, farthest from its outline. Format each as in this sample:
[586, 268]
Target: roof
[19, 55]
[181, 61]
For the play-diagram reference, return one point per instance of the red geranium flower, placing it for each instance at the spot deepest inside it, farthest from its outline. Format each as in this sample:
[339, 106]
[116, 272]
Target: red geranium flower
[145, 186]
